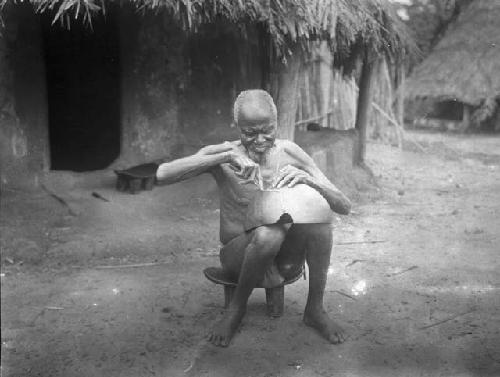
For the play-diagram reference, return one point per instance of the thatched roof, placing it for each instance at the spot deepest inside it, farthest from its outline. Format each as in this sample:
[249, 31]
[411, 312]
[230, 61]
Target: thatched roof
[465, 64]
[342, 22]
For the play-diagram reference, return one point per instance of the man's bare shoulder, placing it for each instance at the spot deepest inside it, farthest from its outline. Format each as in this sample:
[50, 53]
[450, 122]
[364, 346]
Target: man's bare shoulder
[293, 150]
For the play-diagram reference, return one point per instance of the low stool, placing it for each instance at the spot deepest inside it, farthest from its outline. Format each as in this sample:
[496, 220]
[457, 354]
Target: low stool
[136, 178]
[275, 297]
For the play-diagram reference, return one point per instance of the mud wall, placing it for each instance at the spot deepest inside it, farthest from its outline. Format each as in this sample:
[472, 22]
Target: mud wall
[151, 58]
[333, 152]
[178, 88]
[24, 153]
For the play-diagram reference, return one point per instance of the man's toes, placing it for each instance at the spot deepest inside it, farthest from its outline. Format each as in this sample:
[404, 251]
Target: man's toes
[334, 339]
[337, 338]
[214, 339]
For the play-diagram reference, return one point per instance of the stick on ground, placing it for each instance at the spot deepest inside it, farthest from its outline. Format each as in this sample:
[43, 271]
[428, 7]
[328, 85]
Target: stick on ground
[59, 199]
[344, 294]
[447, 319]
[130, 265]
[355, 261]
[99, 196]
[359, 242]
[402, 272]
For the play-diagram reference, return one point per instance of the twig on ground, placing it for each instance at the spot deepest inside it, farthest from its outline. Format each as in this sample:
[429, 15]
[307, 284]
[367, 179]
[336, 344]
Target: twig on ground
[447, 319]
[59, 199]
[344, 294]
[99, 196]
[402, 272]
[197, 354]
[130, 265]
[359, 242]
[355, 261]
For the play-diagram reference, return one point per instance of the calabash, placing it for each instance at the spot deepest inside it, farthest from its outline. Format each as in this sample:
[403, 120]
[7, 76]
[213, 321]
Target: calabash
[300, 204]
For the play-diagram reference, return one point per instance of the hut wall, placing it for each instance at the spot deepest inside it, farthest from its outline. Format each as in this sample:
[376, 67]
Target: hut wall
[24, 153]
[177, 90]
[218, 67]
[333, 152]
[151, 59]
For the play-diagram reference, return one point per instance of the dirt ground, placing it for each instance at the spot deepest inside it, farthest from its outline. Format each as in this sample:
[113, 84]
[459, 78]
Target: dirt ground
[414, 277]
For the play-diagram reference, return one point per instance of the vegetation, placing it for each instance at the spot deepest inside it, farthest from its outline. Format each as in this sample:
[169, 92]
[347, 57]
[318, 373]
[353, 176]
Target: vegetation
[342, 22]
[464, 64]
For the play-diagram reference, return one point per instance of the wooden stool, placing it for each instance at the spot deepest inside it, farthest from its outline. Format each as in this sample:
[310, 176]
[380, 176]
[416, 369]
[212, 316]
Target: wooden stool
[275, 297]
[136, 178]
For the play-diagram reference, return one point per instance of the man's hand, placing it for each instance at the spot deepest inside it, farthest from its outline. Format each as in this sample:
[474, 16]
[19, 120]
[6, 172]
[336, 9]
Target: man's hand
[290, 176]
[243, 166]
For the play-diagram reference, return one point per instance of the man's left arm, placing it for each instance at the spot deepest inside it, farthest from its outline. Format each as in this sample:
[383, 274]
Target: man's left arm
[305, 171]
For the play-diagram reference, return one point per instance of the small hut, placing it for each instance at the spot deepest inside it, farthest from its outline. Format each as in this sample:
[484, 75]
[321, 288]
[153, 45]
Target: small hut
[460, 80]
[87, 85]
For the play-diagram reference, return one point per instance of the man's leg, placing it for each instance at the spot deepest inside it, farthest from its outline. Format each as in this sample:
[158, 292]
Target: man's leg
[319, 246]
[265, 242]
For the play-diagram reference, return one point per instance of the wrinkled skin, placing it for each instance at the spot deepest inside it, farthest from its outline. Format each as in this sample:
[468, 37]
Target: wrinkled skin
[268, 254]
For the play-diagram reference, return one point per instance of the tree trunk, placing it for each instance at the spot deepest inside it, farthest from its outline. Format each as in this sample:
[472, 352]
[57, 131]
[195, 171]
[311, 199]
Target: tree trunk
[364, 105]
[287, 97]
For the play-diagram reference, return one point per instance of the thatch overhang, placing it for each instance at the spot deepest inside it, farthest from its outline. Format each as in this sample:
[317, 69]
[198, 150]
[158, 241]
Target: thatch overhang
[465, 65]
[346, 24]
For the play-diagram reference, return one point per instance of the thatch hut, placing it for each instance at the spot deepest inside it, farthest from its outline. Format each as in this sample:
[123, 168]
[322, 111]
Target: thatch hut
[461, 76]
[87, 84]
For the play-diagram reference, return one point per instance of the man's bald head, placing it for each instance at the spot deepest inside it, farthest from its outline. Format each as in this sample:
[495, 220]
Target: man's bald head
[254, 106]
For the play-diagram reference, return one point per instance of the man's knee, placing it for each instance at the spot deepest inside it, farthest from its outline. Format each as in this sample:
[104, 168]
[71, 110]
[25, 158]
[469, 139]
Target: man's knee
[268, 238]
[317, 230]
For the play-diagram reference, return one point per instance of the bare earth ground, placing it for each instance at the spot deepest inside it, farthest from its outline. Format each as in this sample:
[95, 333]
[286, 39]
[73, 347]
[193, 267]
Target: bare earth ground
[424, 301]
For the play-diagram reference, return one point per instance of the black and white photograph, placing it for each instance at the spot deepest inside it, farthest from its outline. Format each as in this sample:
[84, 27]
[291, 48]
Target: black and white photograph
[254, 188]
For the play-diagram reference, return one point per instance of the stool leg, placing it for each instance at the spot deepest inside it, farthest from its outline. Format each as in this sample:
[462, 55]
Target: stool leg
[275, 299]
[148, 183]
[134, 185]
[228, 295]
[121, 183]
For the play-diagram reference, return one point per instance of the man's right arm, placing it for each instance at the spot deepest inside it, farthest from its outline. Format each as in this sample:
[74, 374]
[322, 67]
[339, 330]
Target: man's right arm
[201, 162]
[196, 164]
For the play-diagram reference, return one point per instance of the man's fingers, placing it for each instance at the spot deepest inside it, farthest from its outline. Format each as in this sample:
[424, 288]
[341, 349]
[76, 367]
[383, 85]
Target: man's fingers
[253, 176]
[282, 173]
[286, 179]
[250, 171]
[246, 171]
[294, 181]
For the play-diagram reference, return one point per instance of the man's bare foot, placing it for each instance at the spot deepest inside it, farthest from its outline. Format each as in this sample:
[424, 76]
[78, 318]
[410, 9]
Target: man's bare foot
[223, 331]
[320, 321]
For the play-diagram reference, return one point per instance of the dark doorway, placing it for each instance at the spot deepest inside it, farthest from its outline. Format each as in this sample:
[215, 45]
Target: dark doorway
[83, 84]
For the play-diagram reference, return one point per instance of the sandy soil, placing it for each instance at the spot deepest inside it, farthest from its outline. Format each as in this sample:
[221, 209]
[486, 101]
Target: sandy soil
[414, 277]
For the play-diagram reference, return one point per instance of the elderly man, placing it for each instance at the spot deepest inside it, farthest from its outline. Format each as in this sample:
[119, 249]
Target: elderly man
[259, 247]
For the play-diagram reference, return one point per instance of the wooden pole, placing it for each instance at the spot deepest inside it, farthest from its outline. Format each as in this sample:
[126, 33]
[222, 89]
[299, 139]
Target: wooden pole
[288, 82]
[400, 94]
[466, 117]
[325, 78]
[364, 105]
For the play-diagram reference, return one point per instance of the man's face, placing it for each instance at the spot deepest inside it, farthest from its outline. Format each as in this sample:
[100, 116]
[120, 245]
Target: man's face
[257, 137]
[257, 126]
